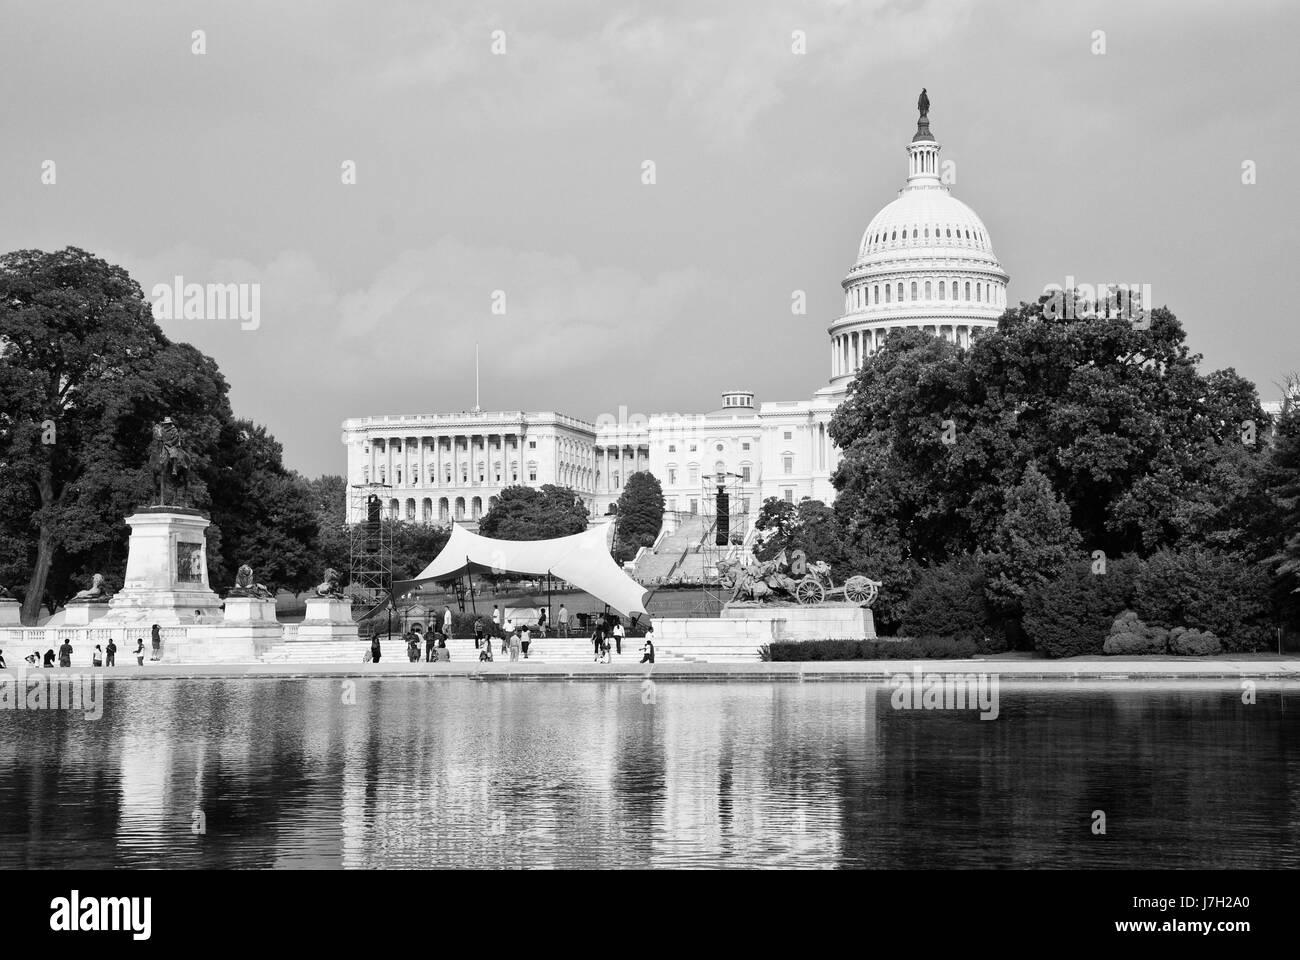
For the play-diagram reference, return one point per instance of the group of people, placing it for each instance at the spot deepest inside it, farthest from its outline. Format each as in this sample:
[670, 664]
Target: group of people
[102, 656]
[434, 639]
[607, 636]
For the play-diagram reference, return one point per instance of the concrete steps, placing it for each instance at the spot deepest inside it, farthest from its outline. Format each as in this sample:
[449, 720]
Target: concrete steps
[548, 650]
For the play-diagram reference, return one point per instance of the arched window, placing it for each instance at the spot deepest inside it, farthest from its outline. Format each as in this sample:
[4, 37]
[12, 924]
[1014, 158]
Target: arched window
[979, 293]
[888, 293]
[443, 509]
[365, 474]
[914, 233]
[949, 231]
[913, 291]
[927, 289]
[900, 291]
[941, 290]
[926, 233]
[460, 508]
[968, 290]
[476, 508]
[877, 293]
[894, 235]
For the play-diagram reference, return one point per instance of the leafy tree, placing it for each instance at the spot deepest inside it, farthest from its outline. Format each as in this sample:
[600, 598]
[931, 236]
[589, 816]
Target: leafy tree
[84, 374]
[1116, 417]
[1206, 590]
[264, 512]
[414, 545]
[948, 600]
[328, 497]
[776, 522]
[640, 513]
[1071, 614]
[1281, 516]
[529, 513]
[1032, 543]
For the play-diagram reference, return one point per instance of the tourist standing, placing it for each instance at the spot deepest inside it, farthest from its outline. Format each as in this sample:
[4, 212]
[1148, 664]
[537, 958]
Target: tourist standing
[514, 645]
[598, 641]
[618, 636]
[446, 621]
[496, 616]
[648, 650]
[541, 624]
[564, 621]
[485, 652]
[139, 651]
[65, 653]
[430, 643]
[478, 633]
[49, 658]
[97, 658]
[413, 647]
[506, 632]
[374, 649]
[156, 633]
[110, 654]
[524, 640]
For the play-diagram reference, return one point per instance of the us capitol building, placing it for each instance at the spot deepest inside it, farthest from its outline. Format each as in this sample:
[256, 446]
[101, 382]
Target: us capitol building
[925, 262]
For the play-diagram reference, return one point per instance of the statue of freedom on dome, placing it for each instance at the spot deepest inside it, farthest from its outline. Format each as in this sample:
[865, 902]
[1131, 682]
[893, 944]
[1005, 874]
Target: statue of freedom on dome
[923, 105]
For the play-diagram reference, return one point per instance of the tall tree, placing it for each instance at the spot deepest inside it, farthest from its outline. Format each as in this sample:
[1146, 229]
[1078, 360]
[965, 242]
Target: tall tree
[328, 495]
[265, 514]
[84, 373]
[640, 512]
[528, 513]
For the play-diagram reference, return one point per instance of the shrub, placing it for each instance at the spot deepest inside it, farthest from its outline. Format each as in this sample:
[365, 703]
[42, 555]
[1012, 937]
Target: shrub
[948, 601]
[1193, 643]
[1130, 636]
[924, 648]
[1211, 591]
[1071, 615]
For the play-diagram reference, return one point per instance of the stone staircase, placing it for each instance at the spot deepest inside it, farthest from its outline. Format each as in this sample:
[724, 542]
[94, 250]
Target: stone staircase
[674, 553]
[549, 650]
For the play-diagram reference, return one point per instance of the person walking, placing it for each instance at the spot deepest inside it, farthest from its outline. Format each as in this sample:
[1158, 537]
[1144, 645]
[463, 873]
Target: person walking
[110, 654]
[446, 621]
[648, 650]
[514, 645]
[506, 633]
[156, 634]
[65, 653]
[430, 644]
[413, 647]
[139, 651]
[598, 642]
[564, 621]
[374, 649]
[541, 623]
[618, 636]
[496, 616]
[524, 640]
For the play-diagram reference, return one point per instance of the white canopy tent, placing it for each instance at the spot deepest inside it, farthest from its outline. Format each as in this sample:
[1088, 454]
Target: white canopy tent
[582, 559]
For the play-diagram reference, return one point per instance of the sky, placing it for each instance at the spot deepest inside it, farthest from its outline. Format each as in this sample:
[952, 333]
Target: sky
[500, 148]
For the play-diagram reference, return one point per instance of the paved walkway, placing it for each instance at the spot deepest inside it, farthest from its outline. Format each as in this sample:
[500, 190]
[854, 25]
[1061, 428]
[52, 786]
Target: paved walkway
[1054, 671]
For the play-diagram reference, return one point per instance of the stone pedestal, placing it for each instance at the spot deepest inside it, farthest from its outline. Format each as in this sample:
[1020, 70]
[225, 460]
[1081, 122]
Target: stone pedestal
[328, 619]
[80, 613]
[251, 610]
[814, 621]
[9, 610]
[166, 571]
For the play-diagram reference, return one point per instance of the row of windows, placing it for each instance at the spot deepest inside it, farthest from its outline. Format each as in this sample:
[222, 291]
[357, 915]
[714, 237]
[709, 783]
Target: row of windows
[672, 447]
[693, 504]
[481, 473]
[923, 233]
[863, 296]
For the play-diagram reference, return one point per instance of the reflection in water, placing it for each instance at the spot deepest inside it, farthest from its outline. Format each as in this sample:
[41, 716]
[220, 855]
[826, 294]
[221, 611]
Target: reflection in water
[398, 772]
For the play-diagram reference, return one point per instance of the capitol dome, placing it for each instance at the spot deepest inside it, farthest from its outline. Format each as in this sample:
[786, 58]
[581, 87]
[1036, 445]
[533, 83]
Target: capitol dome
[925, 262]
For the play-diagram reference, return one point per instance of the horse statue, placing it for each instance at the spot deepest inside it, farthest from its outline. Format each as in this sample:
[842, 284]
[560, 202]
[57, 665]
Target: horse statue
[170, 461]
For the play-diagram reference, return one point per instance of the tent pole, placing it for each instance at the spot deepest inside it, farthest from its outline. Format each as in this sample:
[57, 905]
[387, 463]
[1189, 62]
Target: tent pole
[473, 608]
[548, 597]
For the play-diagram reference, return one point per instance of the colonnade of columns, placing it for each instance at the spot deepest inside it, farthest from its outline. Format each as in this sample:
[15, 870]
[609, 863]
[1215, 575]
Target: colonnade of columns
[616, 462]
[850, 350]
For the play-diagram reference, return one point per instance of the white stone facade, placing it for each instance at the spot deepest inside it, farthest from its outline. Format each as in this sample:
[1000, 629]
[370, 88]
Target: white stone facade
[924, 262]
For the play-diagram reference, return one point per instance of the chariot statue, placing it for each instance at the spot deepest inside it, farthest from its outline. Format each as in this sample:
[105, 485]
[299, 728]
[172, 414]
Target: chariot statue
[790, 578]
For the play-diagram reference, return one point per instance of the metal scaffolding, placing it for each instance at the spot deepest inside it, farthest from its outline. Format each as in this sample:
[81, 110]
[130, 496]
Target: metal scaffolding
[732, 487]
[370, 543]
